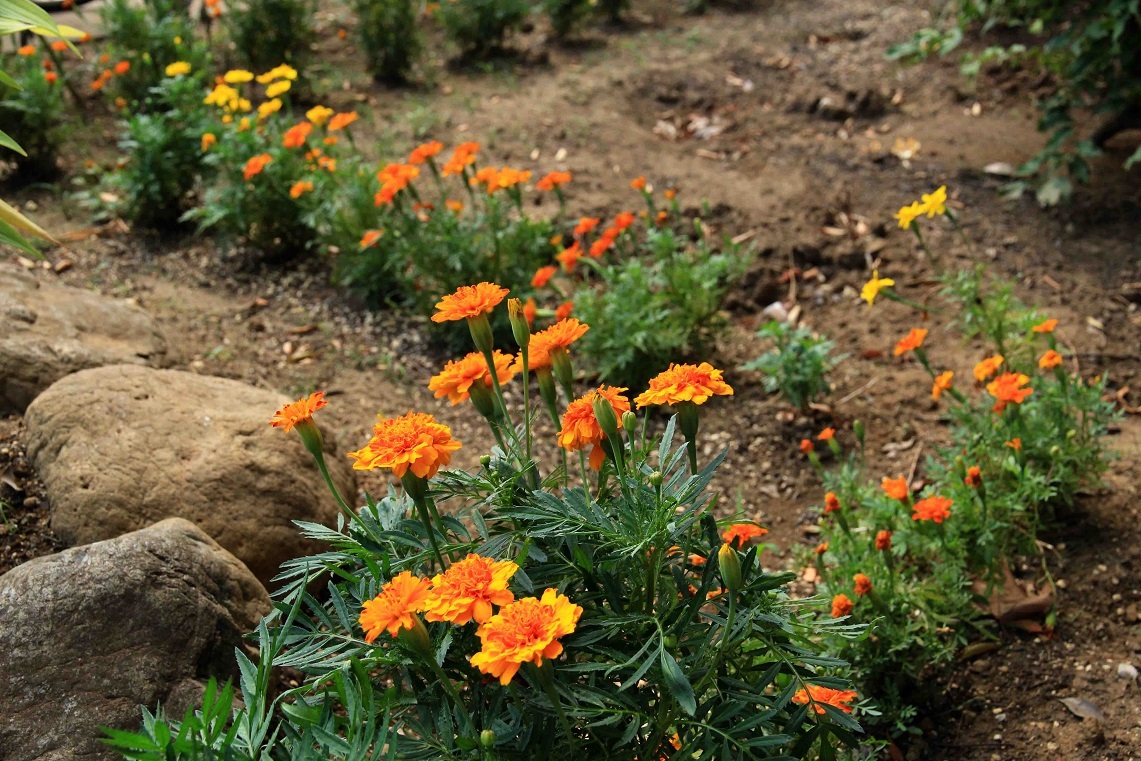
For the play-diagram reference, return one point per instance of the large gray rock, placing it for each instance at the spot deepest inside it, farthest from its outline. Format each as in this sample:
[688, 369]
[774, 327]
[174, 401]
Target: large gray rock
[121, 447]
[48, 331]
[92, 633]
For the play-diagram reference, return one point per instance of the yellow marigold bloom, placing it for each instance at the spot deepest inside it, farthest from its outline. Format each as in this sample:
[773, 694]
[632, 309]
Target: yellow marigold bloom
[413, 442]
[269, 107]
[469, 301]
[456, 379]
[278, 88]
[942, 383]
[684, 383]
[396, 606]
[284, 71]
[319, 114]
[907, 214]
[296, 413]
[208, 140]
[873, 287]
[467, 590]
[1050, 360]
[177, 68]
[222, 95]
[988, 367]
[237, 76]
[1046, 326]
[580, 427]
[300, 188]
[910, 342]
[935, 203]
[525, 631]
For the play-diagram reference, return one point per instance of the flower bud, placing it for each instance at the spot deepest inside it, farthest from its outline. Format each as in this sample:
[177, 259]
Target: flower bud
[481, 334]
[483, 399]
[487, 738]
[519, 327]
[416, 638]
[730, 566]
[670, 640]
[485, 460]
[604, 414]
[629, 421]
[656, 478]
[858, 429]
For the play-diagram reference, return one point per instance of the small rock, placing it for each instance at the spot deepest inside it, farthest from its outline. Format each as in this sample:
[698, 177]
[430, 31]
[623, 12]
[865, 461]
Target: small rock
[1127, 671]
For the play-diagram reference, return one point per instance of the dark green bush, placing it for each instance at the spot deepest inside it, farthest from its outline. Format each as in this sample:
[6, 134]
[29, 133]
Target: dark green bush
[389, 37]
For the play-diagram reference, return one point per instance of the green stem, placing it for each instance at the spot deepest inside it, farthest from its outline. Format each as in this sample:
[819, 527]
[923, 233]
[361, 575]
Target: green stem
[349, 512]
[426, 512]
[712, 672]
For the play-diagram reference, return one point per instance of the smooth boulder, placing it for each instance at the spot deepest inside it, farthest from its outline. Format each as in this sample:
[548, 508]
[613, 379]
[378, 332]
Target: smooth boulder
[48, 331]
[121, 447]
[92, 633]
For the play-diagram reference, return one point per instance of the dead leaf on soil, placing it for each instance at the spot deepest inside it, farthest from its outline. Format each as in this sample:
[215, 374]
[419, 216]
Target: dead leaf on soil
[893, 448]
[905, 148]
[9, 480]
[1083, 709]
[1013, 604]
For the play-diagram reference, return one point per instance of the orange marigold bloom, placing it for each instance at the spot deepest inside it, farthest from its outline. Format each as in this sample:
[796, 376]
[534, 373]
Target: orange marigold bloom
[863, 584]
[26, 51]
[413, 442]
[469, 301]
[370, 238]
[456, 379]
[300, 188]
[821, 696]
[936, 509]
[208, 140]
[525, 631]
[59, 46]
[638, 183]
[942, 383]
[1046, 326]
[1050, 360]
[122, 67]
[255, 165]
[462, 156]
[1015, 444]
[740, 534]
[1007, 388]
[561, 335]
[529, 311]
[883, 541]
[50, 77]
[624, 220]
[580, 427]
[896, 488]
[910, 342]
[467, 590]
[543, 275]
[831, 503]
[553, 180]
[974, 477]
[827, 434]
[806, 446]
[600, 246]
[821, 548]
[424, 152]
[296, 135]
[298, 412]
[564, 310]
[988, 367]
[569, 257]
[841, 605]
[585, 225]
[454, 206]
[342, 120]
[684, 383]
[396, 606]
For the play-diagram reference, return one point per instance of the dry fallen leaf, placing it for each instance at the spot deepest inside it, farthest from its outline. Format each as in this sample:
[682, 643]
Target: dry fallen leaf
[905, 148]
[1013, 604]
[1082, 708]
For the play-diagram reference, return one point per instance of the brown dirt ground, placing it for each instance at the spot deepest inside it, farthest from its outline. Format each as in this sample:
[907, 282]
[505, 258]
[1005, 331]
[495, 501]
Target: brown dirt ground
[782, 170]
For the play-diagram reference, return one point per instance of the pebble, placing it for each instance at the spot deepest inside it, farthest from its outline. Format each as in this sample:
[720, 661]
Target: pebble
[1127, 671]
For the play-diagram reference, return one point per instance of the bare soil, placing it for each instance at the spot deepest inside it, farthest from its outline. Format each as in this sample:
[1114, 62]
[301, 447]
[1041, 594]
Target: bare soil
[796, 110]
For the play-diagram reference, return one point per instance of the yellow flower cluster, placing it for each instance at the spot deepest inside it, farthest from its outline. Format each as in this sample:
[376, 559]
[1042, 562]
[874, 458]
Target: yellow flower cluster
[931, 205]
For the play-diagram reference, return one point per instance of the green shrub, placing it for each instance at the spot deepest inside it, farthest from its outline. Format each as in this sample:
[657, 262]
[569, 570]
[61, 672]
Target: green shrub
[480, 27]
[389, 36]
[565, 14]
[34, 109]
[798, 364]
[266, 33]
[150, 37]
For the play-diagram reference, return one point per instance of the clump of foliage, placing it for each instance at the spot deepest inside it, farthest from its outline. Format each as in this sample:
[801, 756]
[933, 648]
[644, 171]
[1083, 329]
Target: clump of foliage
[389, 36]
[798, 364]
[519, 612]
[149, 36]
[565, 14]
[268, 32]
[481, 27]
[1089, 48]
[33, 105]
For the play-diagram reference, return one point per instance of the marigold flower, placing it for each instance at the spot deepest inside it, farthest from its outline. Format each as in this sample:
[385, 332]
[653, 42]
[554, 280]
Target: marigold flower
[942, 383]
[456, 379]
[284, 71]
[529, 311]
[467, 590]
[1007, 388]
[208, 140]
[821, 696]
[974, 477]
[684, 383]
[278, 88]
[740, 534]
[910, 342]
[580, 428]
[268, 108]
[1050, 360]
[98, 84]
[863, 584]
[883, 541]
[121, 68]
[237, 76]
[543, 275]
[296, 413]
[51, 77]
[1015, 444]
[585, 225]
[569, 257]
[841, 605]
[806, 446]
[896, 488]
[396, 606]
[509, 178]
[26, 51]
[525, 631]
[178, 68]
[670, 193]
[988, 367]
[255, 165]
[342, 120]
[300, 188]
[563, 311]
[873, 287]
[462, 156]
[413, 442]
[296, 135]
[623, 220]
[370, 238]
[553, 180]
[821, 548]
[600, 246]
[319, 114]
[561, 335]
[907, 214]
[1046, 326]
[425, 151]
[638, 183]
[827, 434]
[455, 206]
[935, 509]
[831, 503]
[468, 302]
[59, 46]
